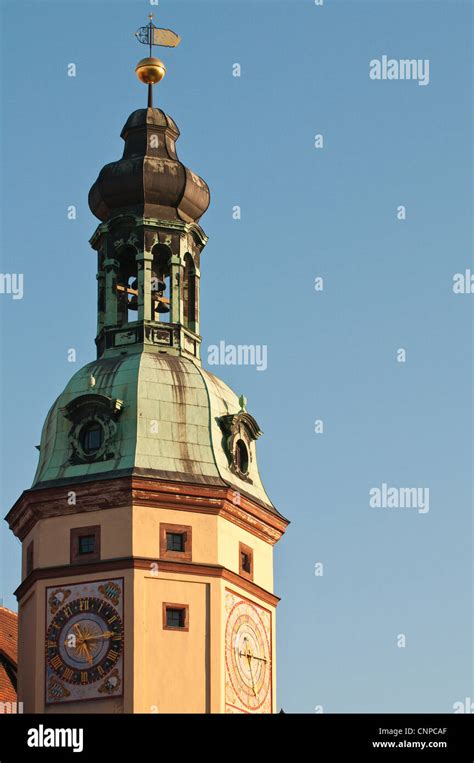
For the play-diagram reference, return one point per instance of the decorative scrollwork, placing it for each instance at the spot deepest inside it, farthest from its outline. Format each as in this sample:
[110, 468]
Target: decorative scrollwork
[239, 430]
[84, 411]
[143, 35]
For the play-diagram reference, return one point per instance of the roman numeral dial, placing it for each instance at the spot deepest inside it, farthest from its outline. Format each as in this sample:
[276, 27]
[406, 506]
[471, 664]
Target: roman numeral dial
[84, 640]
[248, 655]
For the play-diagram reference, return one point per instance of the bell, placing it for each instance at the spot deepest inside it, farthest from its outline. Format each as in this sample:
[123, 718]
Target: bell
[162, 308]
[158, 286]
[133, 298]
[160, 305]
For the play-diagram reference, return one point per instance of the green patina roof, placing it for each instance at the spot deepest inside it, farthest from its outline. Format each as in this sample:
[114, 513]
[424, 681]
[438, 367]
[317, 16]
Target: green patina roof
[168, 426]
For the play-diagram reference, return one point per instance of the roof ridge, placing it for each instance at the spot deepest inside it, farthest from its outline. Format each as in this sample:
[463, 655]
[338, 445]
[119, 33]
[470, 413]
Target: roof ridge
[7, 609]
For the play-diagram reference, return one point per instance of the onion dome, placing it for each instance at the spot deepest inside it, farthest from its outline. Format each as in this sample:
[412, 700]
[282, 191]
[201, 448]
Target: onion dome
[149, 180]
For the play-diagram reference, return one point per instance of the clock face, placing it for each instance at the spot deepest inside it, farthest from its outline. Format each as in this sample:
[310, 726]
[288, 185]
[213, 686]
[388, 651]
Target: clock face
[84, 641]
[248, 656]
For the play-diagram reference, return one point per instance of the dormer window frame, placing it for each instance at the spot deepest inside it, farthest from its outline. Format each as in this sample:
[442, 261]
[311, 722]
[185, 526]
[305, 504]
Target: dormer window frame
[240, 432]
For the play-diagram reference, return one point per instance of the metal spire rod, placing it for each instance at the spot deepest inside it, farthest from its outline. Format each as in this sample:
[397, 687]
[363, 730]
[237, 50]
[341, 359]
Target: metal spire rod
[151, 70]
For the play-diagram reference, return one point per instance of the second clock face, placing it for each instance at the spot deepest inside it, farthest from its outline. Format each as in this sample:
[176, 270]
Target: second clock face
[248, 656]
[84, 641]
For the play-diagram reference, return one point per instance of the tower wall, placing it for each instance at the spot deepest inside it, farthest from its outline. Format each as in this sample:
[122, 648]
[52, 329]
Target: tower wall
[147, 563]
[163, 670]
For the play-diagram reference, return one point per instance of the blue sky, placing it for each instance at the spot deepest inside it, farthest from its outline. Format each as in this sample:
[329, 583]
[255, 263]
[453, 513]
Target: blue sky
[306, 212]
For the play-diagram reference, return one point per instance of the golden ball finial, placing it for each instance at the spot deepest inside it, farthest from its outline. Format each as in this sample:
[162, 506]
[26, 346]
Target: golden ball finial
[150, 70]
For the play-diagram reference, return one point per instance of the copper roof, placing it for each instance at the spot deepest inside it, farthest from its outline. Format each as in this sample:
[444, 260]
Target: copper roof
[185, 402]
[149, 179]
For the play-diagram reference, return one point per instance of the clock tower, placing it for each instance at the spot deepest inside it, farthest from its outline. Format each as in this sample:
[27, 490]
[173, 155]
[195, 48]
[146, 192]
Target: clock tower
[147, 535]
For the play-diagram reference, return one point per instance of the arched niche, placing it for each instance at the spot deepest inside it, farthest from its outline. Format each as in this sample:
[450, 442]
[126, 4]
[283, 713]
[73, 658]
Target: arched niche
[127, 284]
[161, 293]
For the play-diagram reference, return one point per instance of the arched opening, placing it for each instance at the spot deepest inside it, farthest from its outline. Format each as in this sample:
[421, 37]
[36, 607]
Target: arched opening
[189, 293]
[127, 285]
[101, 292]
[161, 283]
[101, 283]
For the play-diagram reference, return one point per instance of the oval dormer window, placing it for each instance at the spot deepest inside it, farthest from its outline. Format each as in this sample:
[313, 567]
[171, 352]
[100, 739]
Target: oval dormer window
[92, 437]
[241, 457]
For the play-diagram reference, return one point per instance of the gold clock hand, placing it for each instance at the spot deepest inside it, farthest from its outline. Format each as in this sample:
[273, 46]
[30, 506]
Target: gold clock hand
[248, 654]
[105, 634]
[252, 656]
[89, 656]
[249, 657]
[77, 627]
[83, 651]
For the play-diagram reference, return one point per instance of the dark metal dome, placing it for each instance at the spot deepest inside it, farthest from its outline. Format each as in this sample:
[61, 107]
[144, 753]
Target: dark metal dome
[149, 179]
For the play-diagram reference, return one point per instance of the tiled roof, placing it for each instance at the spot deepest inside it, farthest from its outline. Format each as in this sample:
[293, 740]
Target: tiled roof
[7, 690]
[8, 654]
[9, 634]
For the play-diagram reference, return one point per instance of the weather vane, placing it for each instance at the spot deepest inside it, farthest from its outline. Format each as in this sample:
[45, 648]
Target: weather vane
[151, 70]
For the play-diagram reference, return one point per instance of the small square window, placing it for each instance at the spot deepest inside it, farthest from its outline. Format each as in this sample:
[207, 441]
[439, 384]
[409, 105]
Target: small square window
[175, 541]
[245, 561]
[85, 544]
[175, 617]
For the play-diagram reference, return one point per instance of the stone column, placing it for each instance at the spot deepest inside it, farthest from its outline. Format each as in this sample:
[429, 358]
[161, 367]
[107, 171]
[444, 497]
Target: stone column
[100, 293]
[144, 261]
[197, 306]
[176, 314]
[111, 266]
